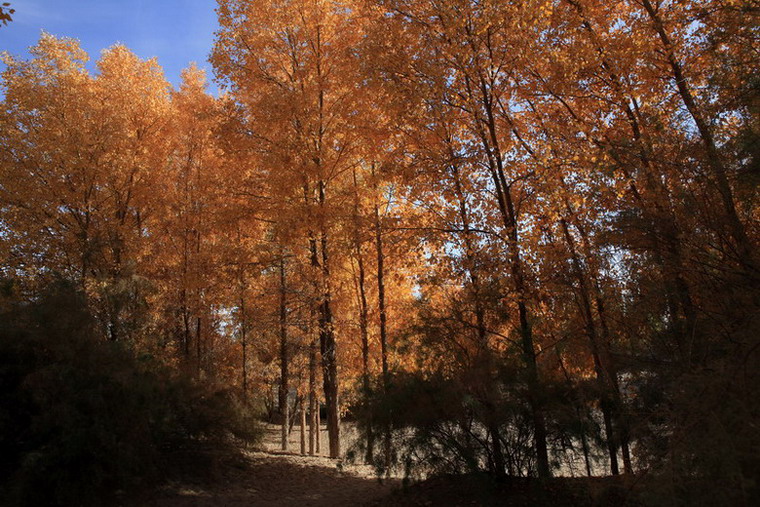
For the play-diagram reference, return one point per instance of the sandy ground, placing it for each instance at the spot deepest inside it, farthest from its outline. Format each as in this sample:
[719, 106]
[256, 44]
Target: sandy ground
[272, 440]
[269, 477]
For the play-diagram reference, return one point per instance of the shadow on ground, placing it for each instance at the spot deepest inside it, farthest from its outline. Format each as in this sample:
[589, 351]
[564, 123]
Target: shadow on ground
[266, 479]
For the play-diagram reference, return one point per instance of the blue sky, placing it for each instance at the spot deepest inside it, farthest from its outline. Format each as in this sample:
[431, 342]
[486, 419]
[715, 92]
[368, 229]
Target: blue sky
[176, 31]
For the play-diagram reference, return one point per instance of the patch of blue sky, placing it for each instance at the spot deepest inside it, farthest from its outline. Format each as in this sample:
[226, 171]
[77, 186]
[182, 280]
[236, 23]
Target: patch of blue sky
[176, 32]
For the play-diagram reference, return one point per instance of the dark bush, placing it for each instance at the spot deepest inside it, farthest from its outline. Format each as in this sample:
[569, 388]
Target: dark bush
[437, 426]
[82, 418]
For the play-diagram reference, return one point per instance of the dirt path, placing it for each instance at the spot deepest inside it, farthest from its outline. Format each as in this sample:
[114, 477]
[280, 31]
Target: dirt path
[271, 478]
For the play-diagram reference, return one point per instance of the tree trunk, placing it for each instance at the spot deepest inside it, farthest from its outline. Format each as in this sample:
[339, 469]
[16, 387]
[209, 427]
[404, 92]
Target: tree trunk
[198, 346]
[318, 418]
[602, 379]
[313, 402]
[579, 415]
[535, 395]
[490, 143]
[383, 327]
[284, 387]
[363, 318]
[303, 425]
[328, 345]
[329, 357]
[620, 418]
[484, 351]
[244, 346]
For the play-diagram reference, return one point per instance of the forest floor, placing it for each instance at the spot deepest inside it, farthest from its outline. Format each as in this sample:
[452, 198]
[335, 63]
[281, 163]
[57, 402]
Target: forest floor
[269, 477]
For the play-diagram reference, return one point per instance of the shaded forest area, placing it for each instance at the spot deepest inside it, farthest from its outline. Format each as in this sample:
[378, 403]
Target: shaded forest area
[513, 242]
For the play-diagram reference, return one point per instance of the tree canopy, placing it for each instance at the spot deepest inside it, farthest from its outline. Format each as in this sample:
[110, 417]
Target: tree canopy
[512, 236]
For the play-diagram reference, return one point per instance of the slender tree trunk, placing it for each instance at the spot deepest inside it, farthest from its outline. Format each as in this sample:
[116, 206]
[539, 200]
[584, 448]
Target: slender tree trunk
[326, 330]
[85, 248]
[303, 425]
[200, 305]
[579, 415]
[383, 326]
[327, 341]
[363, 325]
[244, 346]
[363, 318]
[620, 418]
[535, 394]
[313, 402]
[318, 418]
[317, 344]
[242, 318]
[490, 143]
[284, 380]
[314, 343]
[329, 357]
[601, 375]
[185, 330]
[198, 347]
[484, 350]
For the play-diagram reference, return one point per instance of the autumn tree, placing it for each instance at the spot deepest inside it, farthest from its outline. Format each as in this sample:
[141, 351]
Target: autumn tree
[81, 154]
[291, 66]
